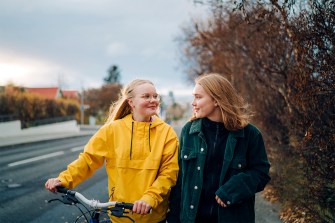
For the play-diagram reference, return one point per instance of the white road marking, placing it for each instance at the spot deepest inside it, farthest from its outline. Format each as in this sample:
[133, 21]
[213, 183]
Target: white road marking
[36, 158]
[75, 149]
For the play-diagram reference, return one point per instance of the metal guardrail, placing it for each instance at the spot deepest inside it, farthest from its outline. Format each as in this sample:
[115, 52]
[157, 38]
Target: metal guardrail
[7, 118]
[46, 121]
[26, 124]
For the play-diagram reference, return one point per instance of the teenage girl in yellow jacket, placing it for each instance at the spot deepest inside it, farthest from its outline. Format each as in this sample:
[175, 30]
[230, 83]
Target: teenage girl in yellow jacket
[140, 151]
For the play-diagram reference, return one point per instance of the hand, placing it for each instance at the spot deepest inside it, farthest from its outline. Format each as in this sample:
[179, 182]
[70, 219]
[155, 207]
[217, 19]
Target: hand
[52, 183]
[141, 207]
[220, 202]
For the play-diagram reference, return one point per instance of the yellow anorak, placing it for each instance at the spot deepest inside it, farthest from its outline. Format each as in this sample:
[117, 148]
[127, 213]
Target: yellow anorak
[141, 163]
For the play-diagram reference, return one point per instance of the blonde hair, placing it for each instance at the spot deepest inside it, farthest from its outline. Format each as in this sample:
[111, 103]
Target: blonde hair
[235, 112]
[121, 108]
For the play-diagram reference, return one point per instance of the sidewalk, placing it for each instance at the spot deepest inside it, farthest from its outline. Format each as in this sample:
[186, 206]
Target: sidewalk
[17, 140]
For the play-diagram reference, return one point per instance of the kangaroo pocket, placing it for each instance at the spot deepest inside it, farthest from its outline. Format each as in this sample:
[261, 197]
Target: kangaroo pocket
[129, 179]
[147, 164]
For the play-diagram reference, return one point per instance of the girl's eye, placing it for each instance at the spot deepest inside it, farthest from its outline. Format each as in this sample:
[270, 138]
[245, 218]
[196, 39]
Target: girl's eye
[148, 97]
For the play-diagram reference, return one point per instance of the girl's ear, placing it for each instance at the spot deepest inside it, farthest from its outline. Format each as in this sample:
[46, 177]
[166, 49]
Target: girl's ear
[130, 102]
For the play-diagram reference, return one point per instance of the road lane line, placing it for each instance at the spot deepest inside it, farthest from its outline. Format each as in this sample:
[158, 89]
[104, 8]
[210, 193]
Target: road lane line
[75, 149]
[36, 158]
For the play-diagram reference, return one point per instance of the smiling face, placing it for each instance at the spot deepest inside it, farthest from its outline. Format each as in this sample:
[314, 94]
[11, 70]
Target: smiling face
[204, 105]
[144, 103]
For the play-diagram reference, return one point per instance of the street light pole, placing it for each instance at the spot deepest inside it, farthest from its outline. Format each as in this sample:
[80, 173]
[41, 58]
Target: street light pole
[82, 107]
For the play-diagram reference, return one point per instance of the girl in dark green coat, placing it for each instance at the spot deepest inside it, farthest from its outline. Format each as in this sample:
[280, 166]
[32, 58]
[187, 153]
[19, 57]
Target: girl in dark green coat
[222, 158]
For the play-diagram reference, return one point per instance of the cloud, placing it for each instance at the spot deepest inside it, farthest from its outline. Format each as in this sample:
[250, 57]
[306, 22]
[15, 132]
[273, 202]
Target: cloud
[78, 40]
[30, 71]
[157, 53]
[117, 49]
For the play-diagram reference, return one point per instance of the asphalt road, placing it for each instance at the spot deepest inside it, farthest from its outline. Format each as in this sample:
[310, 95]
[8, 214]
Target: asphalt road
[25, 168]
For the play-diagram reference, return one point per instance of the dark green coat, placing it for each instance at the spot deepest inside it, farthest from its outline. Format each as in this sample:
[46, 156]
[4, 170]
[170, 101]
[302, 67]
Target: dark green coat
[245, 171]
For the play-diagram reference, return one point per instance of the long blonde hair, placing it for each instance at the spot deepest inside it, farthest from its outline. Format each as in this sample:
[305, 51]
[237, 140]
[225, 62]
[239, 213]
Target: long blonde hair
[235, 111]
[121, 108]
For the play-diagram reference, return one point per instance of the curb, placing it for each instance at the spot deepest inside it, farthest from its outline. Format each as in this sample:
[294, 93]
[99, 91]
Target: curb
[41, 139]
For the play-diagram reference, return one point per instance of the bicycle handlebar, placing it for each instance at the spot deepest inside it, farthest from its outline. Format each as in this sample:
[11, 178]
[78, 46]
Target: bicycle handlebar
[94, 203]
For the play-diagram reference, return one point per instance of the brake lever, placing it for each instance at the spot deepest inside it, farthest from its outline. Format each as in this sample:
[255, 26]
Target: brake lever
[117, 211]
[56, 199]
[69, 199]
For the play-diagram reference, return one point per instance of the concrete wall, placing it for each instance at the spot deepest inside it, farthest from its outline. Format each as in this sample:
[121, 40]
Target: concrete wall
[13, 128]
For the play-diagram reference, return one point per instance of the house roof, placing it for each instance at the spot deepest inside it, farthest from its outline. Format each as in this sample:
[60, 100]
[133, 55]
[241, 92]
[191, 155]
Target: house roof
[70, 94]
[49, 93]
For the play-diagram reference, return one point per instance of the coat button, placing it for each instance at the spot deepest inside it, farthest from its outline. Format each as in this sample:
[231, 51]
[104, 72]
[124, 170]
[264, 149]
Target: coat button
[185, 157]
[228, 202]
[196, 187]
[198, 168]
[202, 149]
[239, 165]
[191, 206]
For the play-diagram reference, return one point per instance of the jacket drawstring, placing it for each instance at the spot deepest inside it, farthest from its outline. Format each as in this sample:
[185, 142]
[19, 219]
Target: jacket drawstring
[149, 138]
[131, 139]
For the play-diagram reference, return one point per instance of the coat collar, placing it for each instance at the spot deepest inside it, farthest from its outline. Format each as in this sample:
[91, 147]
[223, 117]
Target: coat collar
[196, 128]
[129, 121]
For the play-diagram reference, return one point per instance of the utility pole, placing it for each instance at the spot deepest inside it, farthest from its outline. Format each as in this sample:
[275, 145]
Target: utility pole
[82, 107]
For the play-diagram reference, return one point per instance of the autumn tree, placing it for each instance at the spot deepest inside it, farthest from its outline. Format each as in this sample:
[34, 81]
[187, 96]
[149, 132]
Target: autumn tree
[314, 96]
[280, 55]
[100, 99]
[32, 109]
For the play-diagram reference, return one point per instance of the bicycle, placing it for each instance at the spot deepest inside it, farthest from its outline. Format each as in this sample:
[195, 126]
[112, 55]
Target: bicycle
[95, 209]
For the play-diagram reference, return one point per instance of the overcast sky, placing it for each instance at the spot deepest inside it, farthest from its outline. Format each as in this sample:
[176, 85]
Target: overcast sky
[74, 42]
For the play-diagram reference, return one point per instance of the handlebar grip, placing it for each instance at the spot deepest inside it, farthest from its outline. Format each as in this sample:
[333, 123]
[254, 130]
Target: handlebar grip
[64, 190]
[125, 205]
[61, 189]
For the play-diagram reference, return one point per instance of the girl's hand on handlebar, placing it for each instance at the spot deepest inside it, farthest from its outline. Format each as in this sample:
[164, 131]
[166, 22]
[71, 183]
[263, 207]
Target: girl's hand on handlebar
[52, 183]
[141, 207]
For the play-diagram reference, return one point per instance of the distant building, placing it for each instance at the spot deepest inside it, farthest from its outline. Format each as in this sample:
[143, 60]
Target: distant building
[70, 94]
[54, 93]
[48, 93]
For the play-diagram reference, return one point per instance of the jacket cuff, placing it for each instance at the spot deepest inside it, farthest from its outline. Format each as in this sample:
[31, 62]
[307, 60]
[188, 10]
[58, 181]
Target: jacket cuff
[149, 200]
[64, 182]
[224, 197]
